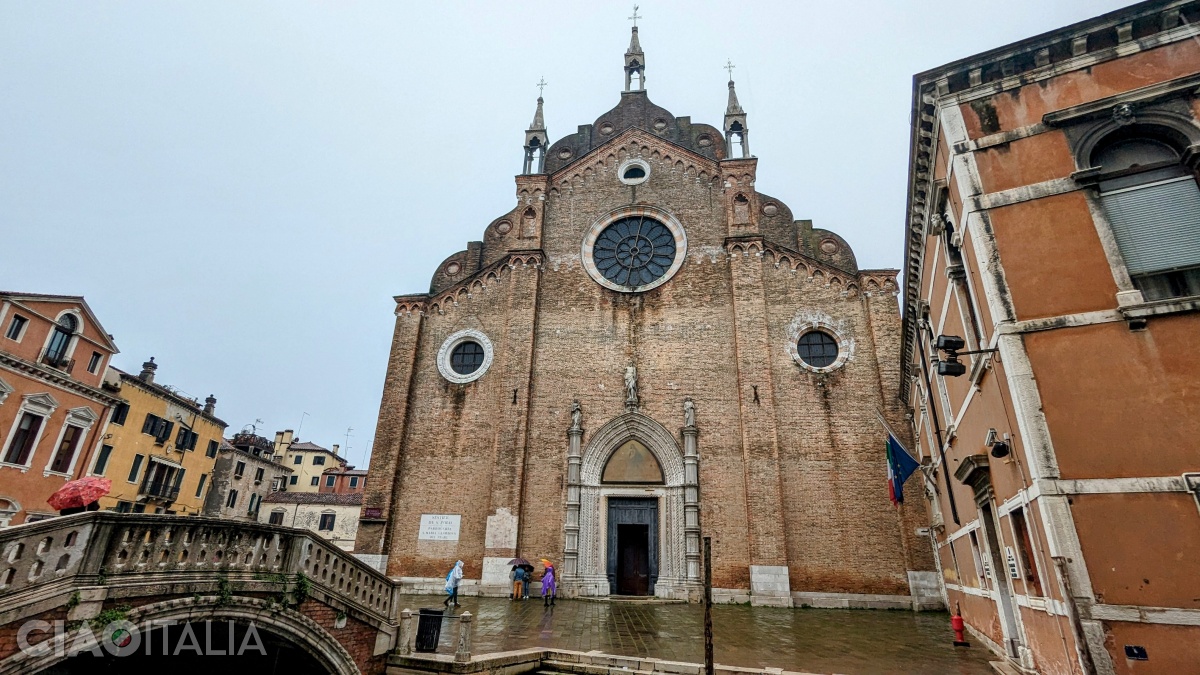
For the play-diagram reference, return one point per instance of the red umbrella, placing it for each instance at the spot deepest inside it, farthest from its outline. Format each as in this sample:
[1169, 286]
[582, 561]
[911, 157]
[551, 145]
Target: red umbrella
[79, 493]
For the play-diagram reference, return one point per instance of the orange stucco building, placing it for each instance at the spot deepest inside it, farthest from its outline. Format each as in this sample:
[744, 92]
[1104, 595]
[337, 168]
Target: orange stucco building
[53, 413]
[1054, 229]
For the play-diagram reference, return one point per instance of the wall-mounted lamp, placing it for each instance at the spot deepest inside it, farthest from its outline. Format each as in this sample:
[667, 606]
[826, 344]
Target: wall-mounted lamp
[999, 448]
[950, 346]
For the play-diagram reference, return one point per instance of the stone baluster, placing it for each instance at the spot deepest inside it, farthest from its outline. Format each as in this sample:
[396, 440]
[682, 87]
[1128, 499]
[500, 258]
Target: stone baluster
[404, 646]
[463, 653]
[574, 466]
[691, 501]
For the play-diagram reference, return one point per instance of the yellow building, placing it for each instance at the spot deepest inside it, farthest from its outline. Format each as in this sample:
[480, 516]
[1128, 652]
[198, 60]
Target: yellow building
[160, 447]
[308, 461]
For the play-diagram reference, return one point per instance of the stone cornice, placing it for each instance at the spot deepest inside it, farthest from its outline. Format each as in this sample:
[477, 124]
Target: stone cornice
[1171, 29]
[51, 375]
[164, 393]
[422, 303]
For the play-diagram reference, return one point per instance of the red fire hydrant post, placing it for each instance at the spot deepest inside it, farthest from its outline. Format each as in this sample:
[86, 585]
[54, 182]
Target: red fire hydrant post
[956, 623]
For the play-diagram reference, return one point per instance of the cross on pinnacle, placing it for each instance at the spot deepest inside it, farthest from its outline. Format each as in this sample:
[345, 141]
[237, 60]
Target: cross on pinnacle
[635, 16]
[729, 66]
[541, 85]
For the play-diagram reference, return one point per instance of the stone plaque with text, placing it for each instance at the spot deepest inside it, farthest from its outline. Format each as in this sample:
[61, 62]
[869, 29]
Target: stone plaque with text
[439, 527]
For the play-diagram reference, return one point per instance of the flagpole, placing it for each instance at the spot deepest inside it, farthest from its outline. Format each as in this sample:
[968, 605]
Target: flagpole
[908, 562]
[888, 428]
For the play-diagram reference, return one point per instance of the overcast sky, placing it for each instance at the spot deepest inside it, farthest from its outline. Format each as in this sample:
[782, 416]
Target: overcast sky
[239, 188]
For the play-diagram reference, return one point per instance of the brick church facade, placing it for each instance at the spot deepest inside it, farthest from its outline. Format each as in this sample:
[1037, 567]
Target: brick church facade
[646, 351]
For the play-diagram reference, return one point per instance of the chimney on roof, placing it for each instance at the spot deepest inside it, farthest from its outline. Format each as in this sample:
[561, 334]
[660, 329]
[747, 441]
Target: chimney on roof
[282, 440]
[210, 404]
[147, 374]
[335, 448]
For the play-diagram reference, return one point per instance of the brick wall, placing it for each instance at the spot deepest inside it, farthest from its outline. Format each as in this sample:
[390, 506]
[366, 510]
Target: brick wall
[792, 464]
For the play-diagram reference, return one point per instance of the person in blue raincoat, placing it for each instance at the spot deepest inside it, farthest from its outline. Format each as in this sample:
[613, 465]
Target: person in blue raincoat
[453, 578]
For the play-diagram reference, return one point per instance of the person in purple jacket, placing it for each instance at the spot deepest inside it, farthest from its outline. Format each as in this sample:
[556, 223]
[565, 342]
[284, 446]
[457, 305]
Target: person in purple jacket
[548, 585]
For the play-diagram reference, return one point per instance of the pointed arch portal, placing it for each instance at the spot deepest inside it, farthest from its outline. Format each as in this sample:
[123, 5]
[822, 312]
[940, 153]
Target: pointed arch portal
[633, 491]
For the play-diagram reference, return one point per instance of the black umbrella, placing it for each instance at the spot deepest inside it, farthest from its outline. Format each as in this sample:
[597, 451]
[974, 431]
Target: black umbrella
[519, 562]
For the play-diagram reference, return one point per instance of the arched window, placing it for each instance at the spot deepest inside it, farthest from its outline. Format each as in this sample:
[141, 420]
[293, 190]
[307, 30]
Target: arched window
[1152, 202]
[60, 340]
[736, 136]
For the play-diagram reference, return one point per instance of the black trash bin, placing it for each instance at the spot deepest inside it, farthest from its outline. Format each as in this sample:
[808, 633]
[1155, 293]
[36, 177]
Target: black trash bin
[429, 629]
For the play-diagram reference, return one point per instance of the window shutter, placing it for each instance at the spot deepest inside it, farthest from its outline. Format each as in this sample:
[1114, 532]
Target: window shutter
[1157, 226]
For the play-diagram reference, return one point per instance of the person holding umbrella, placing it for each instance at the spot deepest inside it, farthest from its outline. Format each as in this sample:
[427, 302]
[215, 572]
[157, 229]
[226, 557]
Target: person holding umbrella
[520, 578]
[522, 574]
[549, 587]
[80, 495]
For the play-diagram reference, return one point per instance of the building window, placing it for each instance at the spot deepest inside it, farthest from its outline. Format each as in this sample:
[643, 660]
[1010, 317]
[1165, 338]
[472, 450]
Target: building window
[253, 506]
[157, 427]
[1033, 583]
[136, 468]
[292, 480]
[60, 340]
[258, 475]
[239, 470]
[298, 459]
[16, 327]
[276, 518]
[139, 507]
[231, 500]
[817, 348]
[981, 566]
[186, 439]
[634, 252]
[102, 460]
[315, 481]
[318, 460]
[119, 413]
[212, 449]
[466, 358]
[634, 171]
[124, 507]
[200, 485]
[1153, 206]
[66, 449]
[353, 482]
[326, 522]
[21, 445]
[330, 480]
[94, 362]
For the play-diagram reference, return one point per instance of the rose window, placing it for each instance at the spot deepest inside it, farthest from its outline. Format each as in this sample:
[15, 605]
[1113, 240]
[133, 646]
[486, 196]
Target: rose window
[634, 251]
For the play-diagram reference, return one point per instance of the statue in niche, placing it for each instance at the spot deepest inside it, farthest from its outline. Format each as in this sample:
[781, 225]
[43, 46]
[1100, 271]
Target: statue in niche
[689, 412]
[631, 391]
[576, 416]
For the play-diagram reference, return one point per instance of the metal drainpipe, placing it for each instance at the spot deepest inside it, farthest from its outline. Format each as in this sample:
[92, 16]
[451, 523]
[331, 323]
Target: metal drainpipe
[937, 428]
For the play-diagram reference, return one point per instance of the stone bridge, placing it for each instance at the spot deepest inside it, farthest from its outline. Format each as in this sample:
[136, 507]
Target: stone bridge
[148, 589]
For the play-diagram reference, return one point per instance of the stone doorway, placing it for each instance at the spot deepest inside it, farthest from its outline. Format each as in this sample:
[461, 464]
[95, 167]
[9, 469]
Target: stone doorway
[632, 546]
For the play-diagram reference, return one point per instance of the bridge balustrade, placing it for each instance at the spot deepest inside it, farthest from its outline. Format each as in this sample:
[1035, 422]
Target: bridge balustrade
[171, 555]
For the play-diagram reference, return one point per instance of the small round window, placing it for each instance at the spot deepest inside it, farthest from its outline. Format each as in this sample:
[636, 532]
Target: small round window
[466, 357]
[817, 349]
[633, 171]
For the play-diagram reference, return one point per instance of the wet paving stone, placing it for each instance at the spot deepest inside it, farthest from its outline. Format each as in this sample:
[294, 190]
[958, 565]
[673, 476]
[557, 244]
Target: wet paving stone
[849, 642]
